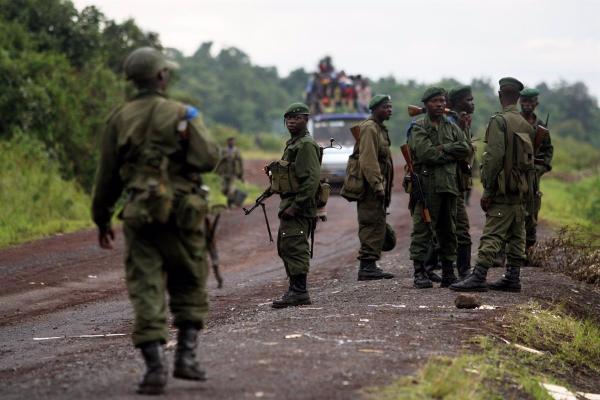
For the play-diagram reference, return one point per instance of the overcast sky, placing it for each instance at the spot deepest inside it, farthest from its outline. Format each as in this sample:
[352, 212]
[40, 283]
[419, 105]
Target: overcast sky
[425, 40]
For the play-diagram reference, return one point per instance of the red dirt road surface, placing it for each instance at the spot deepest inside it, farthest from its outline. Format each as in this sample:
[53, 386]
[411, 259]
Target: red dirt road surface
[354, 335]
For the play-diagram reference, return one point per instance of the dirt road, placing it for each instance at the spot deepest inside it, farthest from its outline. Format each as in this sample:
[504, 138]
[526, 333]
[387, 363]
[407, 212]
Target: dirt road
[354, 335]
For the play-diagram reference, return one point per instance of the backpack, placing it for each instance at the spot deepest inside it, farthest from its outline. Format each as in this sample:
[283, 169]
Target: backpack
[518, 173]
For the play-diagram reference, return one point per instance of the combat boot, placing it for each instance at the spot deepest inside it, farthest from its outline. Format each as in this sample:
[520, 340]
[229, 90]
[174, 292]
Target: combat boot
[421, 280]
[475, 282]
[463, 261]
[186, 366]
[297, 295]
[369, 271]
[155, 378]
[448, 277]
[433, 277]
[509, 282]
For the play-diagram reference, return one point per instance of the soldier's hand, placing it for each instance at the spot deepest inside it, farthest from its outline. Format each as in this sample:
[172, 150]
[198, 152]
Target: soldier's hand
[380, 195]
[105, 237]
[485, 203]
[289, 213]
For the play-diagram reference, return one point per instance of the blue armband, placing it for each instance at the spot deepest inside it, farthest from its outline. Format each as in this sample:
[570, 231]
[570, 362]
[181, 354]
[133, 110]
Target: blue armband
[190, 113]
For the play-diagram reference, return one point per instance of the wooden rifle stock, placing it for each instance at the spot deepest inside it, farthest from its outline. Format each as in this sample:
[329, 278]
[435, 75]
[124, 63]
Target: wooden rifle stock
[413, 111]
[541, 133]
[416, 183]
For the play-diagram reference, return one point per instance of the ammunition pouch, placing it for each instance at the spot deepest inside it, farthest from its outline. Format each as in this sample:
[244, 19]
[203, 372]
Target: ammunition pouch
[191, 211]
[283, 177]
[407, 183]
[323, 194]
[354, 182]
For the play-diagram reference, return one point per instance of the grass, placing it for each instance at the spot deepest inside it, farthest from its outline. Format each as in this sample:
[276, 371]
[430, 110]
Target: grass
[492, 369]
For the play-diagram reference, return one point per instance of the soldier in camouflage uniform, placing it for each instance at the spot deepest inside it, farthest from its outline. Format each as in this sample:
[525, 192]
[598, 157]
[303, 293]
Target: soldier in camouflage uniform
[502, 198]
[543, 163]
[154, 150]
[230, 168]
[436, 145]
[375, 160]
[300, 167]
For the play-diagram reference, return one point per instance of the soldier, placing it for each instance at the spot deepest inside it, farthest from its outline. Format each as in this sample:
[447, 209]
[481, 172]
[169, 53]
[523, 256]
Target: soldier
[296, 177]
[154, 150]
[543, 163]
[502, 177]
[375, 161]
[230, 168]
[461, 103]
[436, 145]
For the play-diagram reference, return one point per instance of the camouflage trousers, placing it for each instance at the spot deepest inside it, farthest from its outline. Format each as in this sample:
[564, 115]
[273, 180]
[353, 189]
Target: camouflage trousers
[371, 226]
[442, 208]
[504, 224]
[293, 244]
[161, 258]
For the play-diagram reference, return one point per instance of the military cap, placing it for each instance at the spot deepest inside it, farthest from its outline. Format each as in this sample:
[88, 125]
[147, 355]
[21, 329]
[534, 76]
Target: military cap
[458, 92]
[530, 92]
[508, 81]
[379, 99]
[296, 108]
[389, 240]
[431, 93]
[145, 63]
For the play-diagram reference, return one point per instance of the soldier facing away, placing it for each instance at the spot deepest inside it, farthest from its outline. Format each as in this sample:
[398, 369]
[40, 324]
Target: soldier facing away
[436, 145]
[375, 162]
[296, 179]
[506, 162]
[154, 150]
[230, 167]
[543, 163]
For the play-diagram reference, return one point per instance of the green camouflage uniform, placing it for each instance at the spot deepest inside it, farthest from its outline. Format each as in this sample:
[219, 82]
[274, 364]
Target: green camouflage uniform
[543, 164]
[230, 168]
[376, 166]
[505, 218]
[293, 236]
[158, 256]
[437, 170]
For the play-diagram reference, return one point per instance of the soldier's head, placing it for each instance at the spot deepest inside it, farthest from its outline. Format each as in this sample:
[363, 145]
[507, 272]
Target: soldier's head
[529, 100]
[460, 99]
[296, 117]
[230, 141]
[434, 100]
[509, 92]
[381, 107]
[148, 68]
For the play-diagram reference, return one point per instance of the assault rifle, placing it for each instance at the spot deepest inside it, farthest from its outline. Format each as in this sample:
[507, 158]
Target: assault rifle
[413, 111]
[417, 191]
[541, 132]
[260, 202]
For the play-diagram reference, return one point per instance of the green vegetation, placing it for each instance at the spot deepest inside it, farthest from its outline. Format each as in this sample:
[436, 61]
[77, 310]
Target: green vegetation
[493, 369]
[35, 200]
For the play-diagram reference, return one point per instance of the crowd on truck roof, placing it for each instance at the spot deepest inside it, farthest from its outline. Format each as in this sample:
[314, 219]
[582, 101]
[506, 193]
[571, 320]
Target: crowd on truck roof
[331, 91]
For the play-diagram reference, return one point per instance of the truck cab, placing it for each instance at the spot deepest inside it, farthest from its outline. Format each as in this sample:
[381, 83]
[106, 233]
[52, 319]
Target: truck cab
[324, 127]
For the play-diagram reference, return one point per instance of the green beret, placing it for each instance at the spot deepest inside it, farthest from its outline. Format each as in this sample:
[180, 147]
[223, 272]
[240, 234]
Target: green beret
[431, 93]
[296, 108]
[508, 81]
[530, 92]
[458, 93]
[145, 63]
[389, 240]
[379, 99]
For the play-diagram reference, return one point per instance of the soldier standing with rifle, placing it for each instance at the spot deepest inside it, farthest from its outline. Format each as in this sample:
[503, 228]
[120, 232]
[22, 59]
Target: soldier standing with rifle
[230, 167]
[436, 145]
[296, 179]
[154, 149]
[543, 163]
[507, 160]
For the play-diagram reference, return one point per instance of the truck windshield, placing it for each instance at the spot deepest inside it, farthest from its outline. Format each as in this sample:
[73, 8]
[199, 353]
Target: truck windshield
[337, 129]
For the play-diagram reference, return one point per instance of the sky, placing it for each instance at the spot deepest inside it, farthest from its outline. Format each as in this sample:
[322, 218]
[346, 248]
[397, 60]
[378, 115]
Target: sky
[424, 40]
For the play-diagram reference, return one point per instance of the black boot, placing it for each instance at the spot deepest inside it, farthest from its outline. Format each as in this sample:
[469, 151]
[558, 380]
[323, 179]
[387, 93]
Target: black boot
[472, 283]
[155, 378]
[448, 277]
[186, 366]
[369, 271]
[433, 277]
[421, 280]
[297, 295]
[510, 282]
[463, 261]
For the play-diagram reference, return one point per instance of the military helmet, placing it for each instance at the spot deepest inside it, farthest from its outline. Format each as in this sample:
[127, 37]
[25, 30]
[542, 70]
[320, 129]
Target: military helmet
[389, 241]
[145, 63]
